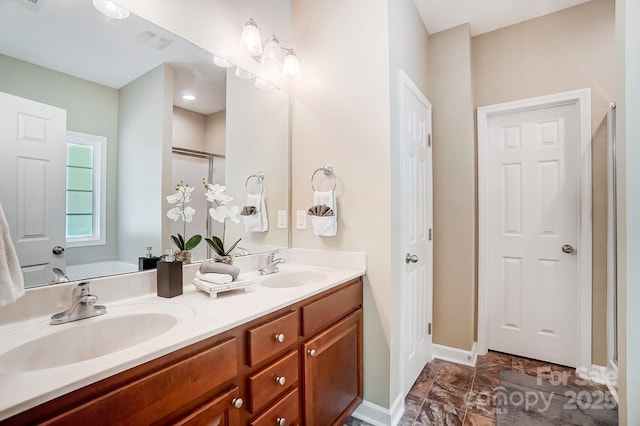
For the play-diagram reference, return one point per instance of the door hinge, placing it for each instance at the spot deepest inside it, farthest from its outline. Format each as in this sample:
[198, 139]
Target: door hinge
[429, 327]
[430, 234]
[429, 139]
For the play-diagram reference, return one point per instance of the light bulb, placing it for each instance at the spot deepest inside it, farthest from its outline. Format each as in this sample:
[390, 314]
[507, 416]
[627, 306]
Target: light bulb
[110, 9]
[291, 66]
[272, 57]
[251, 38]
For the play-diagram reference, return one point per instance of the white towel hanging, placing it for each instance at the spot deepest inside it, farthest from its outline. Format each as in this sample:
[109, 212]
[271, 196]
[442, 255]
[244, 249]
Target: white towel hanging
[326, 226]
[257, 222]
[11, 279]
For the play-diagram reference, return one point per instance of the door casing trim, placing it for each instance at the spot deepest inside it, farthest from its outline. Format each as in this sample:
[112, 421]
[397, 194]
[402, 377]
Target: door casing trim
[582, 99]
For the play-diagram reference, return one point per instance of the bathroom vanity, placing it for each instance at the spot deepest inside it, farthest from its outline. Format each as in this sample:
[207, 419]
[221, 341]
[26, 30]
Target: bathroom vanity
[298, 364]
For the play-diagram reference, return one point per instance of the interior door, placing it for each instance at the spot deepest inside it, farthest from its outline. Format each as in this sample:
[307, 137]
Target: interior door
[533, 197]
[32, 169]
[417, 203]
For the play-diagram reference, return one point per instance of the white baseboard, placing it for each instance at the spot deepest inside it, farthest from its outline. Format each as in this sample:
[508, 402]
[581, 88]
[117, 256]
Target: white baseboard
[379, 416]
[456, 355]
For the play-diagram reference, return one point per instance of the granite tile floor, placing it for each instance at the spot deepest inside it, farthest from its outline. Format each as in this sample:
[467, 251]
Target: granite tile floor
[450, 394]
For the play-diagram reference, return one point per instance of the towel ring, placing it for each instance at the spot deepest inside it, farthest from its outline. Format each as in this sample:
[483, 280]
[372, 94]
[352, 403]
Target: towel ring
[260, 177]
[327, 169]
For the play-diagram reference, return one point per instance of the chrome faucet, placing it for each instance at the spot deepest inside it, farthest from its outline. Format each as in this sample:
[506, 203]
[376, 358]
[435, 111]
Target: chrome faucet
[82, 306]
[59, 276]
[272, 265]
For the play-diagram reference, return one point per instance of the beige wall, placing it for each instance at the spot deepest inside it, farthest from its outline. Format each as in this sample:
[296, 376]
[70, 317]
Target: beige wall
[189, 129]
[568, 50]
[454, 188]
[341, 116]
[408, 51]
[215, 133]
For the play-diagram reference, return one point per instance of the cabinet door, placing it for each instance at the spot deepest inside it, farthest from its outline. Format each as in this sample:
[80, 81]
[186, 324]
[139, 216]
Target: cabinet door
[220, 411]
[332, 363]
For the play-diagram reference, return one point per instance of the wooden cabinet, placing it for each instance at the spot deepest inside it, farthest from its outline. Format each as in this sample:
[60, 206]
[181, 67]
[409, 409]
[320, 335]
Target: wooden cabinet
[299, 365]
[332, 365]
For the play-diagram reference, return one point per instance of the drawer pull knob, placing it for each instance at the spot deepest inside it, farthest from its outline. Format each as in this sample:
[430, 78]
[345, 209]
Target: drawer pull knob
[237, 402]
[312, 352]
[279, 337]
[281, 421]
[280, 380]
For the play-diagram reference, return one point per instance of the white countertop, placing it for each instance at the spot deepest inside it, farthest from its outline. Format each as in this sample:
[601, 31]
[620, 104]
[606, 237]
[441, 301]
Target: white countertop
[199, 316]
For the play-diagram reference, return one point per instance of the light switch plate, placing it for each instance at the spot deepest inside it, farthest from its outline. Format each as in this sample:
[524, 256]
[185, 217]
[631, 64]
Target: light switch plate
[282, 219]
[301, 219]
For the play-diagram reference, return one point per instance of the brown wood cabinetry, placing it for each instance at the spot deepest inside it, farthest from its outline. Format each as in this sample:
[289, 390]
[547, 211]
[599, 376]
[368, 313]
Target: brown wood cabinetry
[299, 365]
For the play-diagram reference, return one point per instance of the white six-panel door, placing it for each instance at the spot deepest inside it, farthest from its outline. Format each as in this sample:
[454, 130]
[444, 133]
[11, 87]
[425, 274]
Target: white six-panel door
[417, 211]
[32, 172]
[533, 190]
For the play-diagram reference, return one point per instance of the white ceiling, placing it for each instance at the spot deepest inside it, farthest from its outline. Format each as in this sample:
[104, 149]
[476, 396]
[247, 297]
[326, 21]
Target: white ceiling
[72, 37]
[485, 15]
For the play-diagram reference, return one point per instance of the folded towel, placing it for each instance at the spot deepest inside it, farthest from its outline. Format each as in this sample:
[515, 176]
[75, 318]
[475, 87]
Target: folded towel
[11, 279]
[248, 211]
[214, 278]
[326, 225]
[257, 222]
[208, 267]
[321, 210]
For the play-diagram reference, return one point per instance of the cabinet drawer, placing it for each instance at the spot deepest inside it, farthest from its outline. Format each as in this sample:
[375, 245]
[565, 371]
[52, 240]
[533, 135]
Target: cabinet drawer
[153, 397]
[326, 311]
[270, 382]
[286, 408]
[271, 338]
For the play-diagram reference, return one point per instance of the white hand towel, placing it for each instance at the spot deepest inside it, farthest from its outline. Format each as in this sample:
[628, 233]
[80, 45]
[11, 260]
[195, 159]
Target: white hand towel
[326, 226]
[256, 222]
[11, 279]
[214, 278]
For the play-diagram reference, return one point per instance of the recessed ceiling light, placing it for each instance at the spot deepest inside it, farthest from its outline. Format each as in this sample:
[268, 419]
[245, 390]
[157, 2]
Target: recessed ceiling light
[188, 97]
[110, 9]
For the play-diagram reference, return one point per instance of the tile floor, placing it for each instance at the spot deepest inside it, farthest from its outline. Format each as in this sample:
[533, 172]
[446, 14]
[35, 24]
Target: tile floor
[450, 394]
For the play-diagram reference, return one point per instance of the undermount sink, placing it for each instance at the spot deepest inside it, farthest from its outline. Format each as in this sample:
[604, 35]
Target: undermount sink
[85, 340]
[286, 279]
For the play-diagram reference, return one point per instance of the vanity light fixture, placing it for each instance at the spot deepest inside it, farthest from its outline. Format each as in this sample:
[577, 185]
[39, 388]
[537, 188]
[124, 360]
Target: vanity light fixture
[271, 55]
[110, 9]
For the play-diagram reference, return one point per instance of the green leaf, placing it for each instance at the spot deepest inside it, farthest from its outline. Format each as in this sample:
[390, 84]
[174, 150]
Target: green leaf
[193, 242]
[232, 247]
[181, 247]
[216, 245]
[176, 241]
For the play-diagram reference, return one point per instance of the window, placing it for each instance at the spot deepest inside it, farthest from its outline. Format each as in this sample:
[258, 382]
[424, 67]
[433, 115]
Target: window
[86, 189]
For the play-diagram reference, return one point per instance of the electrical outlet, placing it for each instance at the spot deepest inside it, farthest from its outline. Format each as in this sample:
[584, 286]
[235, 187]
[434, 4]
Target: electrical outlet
[301, 219]
[282, 219]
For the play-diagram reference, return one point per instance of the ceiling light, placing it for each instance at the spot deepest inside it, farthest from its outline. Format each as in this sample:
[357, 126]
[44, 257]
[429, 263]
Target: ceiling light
[221, 62]
[188, 97]
[110, 9]
[251, 38]
[271, 56]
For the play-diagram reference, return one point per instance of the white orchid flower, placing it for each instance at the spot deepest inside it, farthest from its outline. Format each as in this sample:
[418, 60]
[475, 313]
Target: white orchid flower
[234, 214]
[174, 213]
[182, 195]
[216, 193]
[188, 213]
[219, 214]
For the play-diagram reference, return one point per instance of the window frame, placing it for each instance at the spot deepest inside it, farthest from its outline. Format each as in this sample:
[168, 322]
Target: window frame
[99, 199]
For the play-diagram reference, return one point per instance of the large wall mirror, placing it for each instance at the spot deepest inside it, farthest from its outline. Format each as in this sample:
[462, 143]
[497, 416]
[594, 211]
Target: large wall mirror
[98, 126]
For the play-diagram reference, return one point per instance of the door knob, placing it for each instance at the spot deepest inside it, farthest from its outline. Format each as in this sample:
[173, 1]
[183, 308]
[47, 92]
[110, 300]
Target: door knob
[411, 258]
[57, 250]
[568, 248]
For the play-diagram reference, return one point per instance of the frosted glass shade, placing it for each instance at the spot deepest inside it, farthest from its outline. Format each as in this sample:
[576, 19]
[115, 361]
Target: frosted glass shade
[251, 38]
[291, 66]
[272, 57]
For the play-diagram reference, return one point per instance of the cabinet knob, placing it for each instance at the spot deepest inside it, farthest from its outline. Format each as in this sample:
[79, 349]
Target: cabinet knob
[280, 380]
[237, 402]
[281, 421]
[279, 337]
[312, 352]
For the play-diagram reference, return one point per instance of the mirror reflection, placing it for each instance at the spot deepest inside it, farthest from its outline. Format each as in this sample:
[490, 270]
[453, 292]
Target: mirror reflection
[102, 118]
